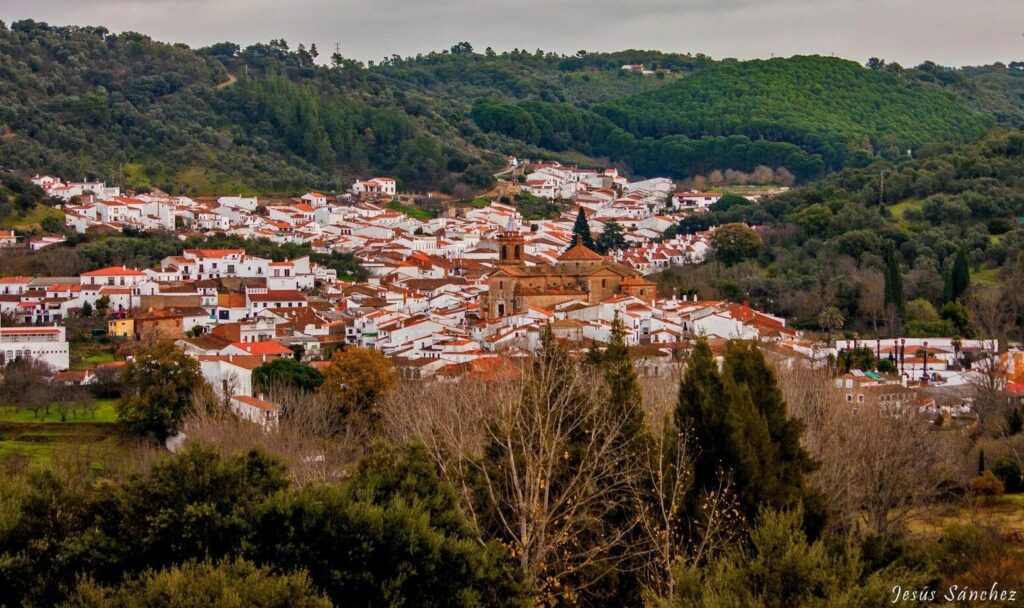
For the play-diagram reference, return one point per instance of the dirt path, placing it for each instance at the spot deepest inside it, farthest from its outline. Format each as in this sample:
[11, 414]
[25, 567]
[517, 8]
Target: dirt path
[227, 83]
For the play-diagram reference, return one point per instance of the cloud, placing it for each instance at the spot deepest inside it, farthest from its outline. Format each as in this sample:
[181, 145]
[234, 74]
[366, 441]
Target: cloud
[951, 32]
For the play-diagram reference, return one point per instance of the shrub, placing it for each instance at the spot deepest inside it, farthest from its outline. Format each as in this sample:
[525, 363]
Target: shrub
[1007, 472]
[986, 485]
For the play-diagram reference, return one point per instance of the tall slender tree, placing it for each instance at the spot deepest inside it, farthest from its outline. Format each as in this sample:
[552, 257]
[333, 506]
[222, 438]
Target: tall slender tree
[581, 231]
[895, 301]
[624, 396]
[738, 420]
[958, 280]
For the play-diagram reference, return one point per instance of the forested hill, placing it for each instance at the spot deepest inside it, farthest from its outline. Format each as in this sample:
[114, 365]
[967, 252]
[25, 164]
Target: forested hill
[463, 75]
[825, 244]
[271, 118]
[80, 101]
[808, 114]
[833, 107]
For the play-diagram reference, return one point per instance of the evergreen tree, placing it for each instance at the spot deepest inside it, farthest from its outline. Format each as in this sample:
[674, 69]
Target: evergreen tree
[1014, 421]
[782, 566]
[625, 401]
[746, 365]
[611, 238]
[893, 282]
[624, 396]
[958, 279]
[581, 231]
[738, 420]
[224, 583]
[158, 387]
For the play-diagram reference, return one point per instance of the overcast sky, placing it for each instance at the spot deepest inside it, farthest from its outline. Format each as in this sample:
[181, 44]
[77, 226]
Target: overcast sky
[949, 32]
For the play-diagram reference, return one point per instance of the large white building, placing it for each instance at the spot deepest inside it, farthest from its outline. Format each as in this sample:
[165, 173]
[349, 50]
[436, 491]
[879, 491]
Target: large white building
[47, 344]
[381, 186]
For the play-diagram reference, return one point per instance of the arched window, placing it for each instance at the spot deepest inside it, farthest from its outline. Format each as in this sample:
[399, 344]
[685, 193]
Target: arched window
[517, 251]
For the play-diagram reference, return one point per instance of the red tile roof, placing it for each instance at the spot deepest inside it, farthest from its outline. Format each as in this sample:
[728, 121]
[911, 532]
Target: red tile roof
[263, 348]
[114, 271]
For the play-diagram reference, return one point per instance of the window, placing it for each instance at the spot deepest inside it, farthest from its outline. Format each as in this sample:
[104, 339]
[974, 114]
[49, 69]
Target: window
[860, 398]
[849, 398]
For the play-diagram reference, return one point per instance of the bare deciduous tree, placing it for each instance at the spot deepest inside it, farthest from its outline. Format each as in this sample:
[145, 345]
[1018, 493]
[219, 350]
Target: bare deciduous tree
[541, 463]
[28, 384]
[558, 468]
[881, 463]
[305, 437]
[872, 297]
[669, 536]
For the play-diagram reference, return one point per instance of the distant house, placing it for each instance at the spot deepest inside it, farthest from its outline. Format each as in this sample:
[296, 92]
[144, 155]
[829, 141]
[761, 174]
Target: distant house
[257, 411]
[315, 199]
[120, 276]
[248, 203]
[696, 199]
[378, 186]
[8, 239]
[47, 344]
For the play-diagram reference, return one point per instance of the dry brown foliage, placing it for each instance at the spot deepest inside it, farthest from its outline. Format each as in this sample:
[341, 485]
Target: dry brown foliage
[307, 438]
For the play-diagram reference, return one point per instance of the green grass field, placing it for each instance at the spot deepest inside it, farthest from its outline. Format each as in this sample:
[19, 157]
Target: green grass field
[410, 210]
[89, 354]
[985, 276]
[195, 180]
[32, 218]
[104, 413]
[1005, 513]
[900, 208]
[41, 437]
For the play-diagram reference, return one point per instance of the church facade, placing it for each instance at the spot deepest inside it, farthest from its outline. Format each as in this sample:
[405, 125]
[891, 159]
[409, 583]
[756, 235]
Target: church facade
[579, 274]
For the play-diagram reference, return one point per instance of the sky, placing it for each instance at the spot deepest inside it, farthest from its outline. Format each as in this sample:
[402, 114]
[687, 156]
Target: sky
[948, 32]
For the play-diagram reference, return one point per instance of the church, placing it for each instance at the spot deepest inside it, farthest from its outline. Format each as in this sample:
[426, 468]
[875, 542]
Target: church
[579, 274]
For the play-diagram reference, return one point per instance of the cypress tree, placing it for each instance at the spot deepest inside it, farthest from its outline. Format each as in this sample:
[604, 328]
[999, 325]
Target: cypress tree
[893, 281]
[581, 231]
[1014, 421]
[625, 401]
[958, 280]
[739, 422]
[624, 396]
[746, 365]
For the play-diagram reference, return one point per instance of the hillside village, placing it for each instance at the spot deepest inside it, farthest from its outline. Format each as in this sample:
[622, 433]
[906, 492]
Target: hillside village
[446, 296]
[283, 325]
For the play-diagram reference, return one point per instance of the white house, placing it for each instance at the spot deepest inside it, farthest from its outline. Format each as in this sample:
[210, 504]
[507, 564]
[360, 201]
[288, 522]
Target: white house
[114, 276]
[257, 411]
[380, 186]
[47, 344]
[248, 203]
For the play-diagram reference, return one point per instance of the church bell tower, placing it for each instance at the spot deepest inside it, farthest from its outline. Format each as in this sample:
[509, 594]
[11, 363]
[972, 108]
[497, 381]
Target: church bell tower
[511, 245]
